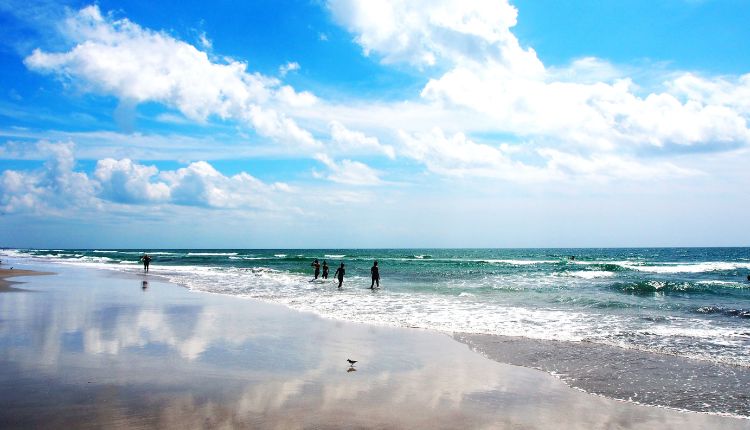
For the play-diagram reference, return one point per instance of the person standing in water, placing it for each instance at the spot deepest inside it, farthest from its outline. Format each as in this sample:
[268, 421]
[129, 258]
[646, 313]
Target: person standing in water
[316, 265]
[146, 261]
[325, 270]
[375, 275]
[340, 274]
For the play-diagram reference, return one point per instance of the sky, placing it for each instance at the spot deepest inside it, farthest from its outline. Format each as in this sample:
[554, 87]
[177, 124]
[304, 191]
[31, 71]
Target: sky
[360, 124]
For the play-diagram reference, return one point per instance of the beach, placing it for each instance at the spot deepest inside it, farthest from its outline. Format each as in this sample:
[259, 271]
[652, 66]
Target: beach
[91, 348]
[7, 285]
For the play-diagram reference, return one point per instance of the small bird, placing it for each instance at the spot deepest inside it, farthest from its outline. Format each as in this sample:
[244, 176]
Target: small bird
[351, 362]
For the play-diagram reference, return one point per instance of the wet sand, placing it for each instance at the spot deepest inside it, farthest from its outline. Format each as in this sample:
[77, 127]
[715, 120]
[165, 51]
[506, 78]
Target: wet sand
[93, 348]
[6, 285]
[638, 376]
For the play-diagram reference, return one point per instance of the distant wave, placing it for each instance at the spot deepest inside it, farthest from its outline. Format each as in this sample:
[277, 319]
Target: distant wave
[712, 266]
[209, 254]
[590, 274]
[653, 286]
[516, 262]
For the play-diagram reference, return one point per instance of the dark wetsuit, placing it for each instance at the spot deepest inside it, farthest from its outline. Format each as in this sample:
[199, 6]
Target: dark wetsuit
[375, 276]
[325, 271]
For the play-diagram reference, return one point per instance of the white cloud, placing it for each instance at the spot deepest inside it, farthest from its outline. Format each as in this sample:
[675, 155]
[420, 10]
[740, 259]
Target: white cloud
[349, 172]
[204, 41]
[604, 167]
[121, 58]
[288, 96]
[54, 186]
[127, 182]
[459, 156]
[288, 67]
[200, 184]
[426, 32]
[590, 106]
[58, 186]
[586, 118]
[733, 93]
[355, 141]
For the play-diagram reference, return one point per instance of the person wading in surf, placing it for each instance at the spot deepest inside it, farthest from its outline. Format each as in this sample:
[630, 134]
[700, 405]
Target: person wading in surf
[146, 261]
[316, 265]
[340, 274]
[375, 275]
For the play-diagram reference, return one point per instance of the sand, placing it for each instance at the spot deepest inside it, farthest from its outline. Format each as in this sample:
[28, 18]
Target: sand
[88, 348]
[5, 284]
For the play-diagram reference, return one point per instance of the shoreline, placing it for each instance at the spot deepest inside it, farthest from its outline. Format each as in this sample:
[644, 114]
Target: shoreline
[288, 314]
[6, 286]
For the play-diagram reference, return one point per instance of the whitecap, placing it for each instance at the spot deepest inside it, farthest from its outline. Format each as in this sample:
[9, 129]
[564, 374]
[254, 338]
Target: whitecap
[709, 266]
[516, 262]
[590, 274]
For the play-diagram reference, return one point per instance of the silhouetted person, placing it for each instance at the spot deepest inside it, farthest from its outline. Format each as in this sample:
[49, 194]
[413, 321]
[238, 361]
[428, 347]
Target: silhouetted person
[325, 270]
[340, 274]
[146, 261]
[316, 265]
[375, 275]
[748, 277]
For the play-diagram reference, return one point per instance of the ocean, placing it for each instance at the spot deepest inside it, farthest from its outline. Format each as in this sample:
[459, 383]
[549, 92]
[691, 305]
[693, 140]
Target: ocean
[688, 304]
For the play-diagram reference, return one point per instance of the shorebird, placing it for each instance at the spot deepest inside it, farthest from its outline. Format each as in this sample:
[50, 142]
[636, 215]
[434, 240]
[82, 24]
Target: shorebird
[351, 362]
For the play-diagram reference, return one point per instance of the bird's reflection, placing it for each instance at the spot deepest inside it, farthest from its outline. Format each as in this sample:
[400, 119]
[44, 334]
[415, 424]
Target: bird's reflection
[351, 369]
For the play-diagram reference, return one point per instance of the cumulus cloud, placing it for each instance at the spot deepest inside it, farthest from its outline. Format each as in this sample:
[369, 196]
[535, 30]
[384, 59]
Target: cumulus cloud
[425, 32]
[54, 186]
[135, 64]
[127, 182]
[587, 119]
[589, 106]
[58, 186]
[200, 184]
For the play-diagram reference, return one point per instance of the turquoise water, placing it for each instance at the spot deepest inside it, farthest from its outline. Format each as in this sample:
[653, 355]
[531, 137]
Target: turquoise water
[689, 302]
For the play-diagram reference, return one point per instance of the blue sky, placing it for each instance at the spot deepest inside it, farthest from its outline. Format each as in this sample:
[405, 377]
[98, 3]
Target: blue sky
[343, 123]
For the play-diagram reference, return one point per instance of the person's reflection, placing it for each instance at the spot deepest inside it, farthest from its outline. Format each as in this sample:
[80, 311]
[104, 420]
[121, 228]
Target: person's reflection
[144, 285]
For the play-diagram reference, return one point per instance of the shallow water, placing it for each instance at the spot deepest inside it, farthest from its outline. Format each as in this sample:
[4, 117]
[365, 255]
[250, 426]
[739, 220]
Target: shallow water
[690, 302]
